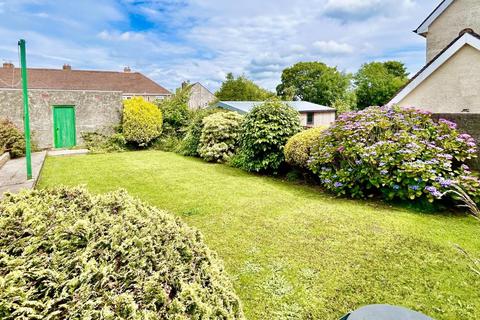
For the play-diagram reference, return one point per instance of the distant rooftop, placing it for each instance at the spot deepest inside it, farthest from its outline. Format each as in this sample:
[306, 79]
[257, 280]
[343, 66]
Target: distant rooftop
[69, 79]
[246, 106]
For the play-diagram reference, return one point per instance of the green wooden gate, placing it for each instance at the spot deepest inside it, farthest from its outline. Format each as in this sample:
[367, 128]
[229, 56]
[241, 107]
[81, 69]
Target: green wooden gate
[64, 126]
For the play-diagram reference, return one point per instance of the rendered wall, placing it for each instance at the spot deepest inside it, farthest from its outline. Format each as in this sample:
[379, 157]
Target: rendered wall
[453, 87]
[460, 15]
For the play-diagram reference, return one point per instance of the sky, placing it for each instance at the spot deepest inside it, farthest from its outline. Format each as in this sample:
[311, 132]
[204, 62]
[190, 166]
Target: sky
[203, 40]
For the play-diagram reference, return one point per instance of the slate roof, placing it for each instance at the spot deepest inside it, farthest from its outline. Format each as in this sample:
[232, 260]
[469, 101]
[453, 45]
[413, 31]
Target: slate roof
[246, 106]
[60, 79]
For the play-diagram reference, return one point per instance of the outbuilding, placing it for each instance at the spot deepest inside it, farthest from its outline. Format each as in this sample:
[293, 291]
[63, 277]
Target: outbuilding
[64, 103]
[311, 114]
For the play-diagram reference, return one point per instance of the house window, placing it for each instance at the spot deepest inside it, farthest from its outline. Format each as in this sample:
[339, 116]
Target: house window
[309, 118]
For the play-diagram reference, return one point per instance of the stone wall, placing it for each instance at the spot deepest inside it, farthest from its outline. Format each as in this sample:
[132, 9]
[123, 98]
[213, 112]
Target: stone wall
[94, 111]
[467, 123]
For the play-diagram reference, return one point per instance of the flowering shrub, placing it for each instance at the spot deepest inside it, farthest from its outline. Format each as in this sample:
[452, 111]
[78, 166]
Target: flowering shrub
[220, 136]
[297, 150]
[191, 142]
[142, 121]
[400, 153]
[265, 132]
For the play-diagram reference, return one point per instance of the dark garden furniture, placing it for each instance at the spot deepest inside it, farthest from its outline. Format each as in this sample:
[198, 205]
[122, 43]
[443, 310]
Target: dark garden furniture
[384, 312]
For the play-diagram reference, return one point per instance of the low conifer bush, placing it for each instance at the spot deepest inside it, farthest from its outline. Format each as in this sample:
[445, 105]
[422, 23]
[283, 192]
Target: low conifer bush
[67, 254]
[142, 121]
[298, 148]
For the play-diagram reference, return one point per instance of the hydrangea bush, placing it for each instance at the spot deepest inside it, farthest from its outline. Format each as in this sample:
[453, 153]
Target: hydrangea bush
[265, 131]
[398, 152]
[220, 136]
[68, 254]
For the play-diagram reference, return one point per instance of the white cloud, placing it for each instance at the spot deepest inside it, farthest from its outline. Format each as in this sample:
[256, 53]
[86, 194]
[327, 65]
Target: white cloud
[203, 40]
[121, 36]
[332, 47]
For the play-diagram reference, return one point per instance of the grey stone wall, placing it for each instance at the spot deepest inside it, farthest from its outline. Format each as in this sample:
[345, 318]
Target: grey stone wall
[467, 123]
[94, 111]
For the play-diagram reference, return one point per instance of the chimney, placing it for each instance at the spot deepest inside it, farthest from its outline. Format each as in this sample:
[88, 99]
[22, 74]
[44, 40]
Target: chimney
[127, 69]
[8, 65]
[67, 67]
[185, 84]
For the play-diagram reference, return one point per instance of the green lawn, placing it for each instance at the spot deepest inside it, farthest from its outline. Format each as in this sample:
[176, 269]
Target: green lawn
[291, 250]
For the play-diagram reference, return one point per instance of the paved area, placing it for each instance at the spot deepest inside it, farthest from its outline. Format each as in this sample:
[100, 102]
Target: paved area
[74, 152]
[13, 175]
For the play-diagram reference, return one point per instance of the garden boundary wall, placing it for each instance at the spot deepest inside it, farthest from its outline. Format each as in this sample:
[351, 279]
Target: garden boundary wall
[467, 123]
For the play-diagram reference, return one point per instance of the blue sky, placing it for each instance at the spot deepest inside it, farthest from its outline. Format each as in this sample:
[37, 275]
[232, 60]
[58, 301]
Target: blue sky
[202, 40]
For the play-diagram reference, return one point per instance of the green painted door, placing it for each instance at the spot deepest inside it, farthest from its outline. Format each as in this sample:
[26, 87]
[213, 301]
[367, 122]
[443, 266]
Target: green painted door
[64, 126]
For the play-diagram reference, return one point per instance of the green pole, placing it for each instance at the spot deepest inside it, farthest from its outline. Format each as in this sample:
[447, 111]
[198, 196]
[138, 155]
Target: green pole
[26, 115]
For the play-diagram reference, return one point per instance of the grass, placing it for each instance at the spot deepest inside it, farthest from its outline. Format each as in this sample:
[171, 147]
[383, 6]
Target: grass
[292, 251]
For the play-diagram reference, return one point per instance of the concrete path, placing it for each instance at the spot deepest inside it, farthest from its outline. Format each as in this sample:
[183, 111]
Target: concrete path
[13, 175]
[73, 152]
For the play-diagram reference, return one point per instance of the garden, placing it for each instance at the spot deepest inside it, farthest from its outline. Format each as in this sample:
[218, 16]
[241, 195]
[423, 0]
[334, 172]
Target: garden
[224, 216]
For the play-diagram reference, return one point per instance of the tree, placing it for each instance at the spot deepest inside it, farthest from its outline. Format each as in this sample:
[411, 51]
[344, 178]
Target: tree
[377, 82]
[176, 113]
[241, 89]
[314, 82]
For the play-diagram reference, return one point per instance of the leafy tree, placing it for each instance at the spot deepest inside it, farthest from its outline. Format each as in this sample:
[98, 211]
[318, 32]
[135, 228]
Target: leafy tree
[176, 113]
[347, 103]
[314, 82]
[241, 89]
[377, 82]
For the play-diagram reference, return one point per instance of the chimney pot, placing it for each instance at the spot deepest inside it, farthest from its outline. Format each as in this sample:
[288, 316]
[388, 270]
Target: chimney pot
[67, 67]
[127, 69]
[8, 65]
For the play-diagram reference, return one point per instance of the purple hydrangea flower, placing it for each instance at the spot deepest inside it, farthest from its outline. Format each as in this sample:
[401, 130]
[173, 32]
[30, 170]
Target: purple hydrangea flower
[337, 184]
[431, 189]
[445, 183]
[450, 124]
[414, 188]
[384, 172]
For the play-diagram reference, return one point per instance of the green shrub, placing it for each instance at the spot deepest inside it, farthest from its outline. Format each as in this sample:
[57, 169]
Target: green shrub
[265, 131]
[191, 142]
[142, 121]
[396, 152]
[220, 136]
[167, 143]
[176, 113]
[11, 139]
[67, 254]
[98, 142]
[297, 150]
